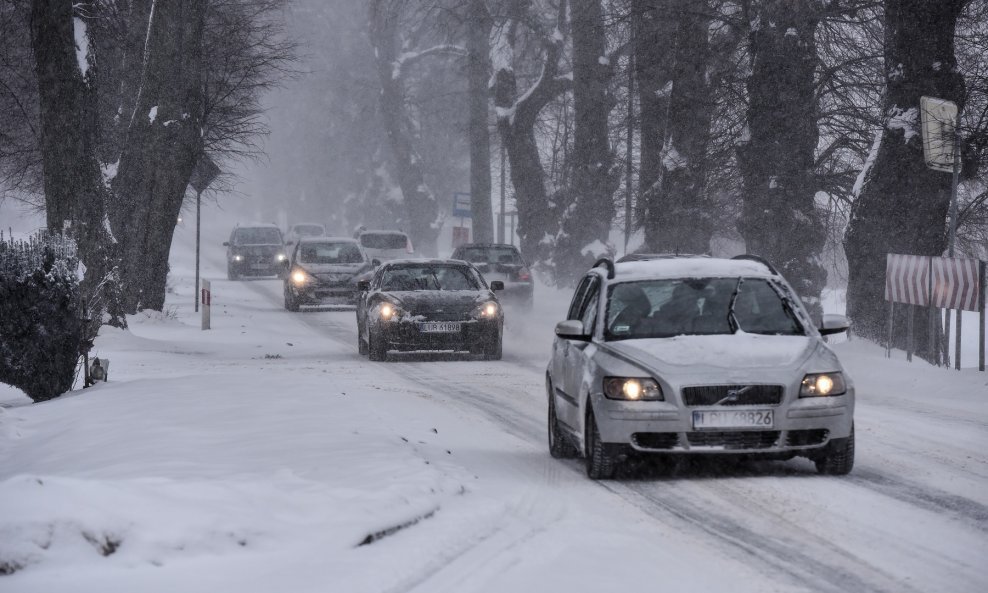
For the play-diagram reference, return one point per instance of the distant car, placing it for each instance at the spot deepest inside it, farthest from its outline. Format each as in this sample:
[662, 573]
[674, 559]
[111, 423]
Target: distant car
[385, 245]
[255, 250]
[308, 229]
[499, 261]
[696, 355]
[324, 271]
[434, 304]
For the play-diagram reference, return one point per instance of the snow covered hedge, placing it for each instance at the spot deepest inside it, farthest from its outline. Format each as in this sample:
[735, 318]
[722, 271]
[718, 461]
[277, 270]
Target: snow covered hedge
[40, 325]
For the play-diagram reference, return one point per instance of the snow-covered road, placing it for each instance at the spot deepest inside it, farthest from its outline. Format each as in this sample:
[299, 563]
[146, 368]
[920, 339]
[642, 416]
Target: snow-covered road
[260, 455]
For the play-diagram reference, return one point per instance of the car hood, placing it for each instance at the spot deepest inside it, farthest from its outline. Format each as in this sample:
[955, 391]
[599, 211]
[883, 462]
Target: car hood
[333, 268]
[738, 351]
[415, 300]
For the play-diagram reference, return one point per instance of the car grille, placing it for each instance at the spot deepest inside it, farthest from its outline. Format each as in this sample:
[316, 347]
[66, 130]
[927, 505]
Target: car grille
[806, 438]
[738, 439]
[445, 313]
[711, 395]
[655, 440]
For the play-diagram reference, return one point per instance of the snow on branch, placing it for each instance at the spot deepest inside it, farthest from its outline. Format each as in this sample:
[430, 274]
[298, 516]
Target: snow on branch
[410, 57]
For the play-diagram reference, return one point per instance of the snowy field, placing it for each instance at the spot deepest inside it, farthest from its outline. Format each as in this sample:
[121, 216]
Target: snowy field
[266, 455]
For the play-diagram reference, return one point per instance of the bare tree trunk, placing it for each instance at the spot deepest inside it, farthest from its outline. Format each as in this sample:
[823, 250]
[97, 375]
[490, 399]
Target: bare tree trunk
[420, 202]
[902, 207]
[478, 74]
[679, 218]
[516, 119]
[73, 184]
[654, 37]
[163, 144]
[779, 218]
[589, 215]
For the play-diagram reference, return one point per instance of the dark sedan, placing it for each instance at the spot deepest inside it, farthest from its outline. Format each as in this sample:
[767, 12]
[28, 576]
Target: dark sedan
[499, 261]
[324, 271]
[414, 305]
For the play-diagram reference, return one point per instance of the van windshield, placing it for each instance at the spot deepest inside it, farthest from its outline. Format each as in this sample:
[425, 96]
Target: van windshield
[342, 252]
[257, 236]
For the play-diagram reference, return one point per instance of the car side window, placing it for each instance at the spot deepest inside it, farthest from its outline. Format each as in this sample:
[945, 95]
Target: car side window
[576, 305]
[589, 313]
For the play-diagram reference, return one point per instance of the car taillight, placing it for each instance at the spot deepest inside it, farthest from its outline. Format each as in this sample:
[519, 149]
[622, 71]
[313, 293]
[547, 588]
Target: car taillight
[524, 275]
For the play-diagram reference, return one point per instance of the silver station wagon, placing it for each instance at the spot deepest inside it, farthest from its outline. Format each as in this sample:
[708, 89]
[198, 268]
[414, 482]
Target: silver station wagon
[696, 355]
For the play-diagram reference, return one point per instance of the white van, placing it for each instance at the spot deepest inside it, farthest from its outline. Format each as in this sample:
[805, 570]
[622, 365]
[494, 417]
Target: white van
[385, 245]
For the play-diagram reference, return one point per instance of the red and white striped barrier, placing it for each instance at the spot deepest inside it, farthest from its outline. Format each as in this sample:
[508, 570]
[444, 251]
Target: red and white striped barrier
[907, 279]
[955, 283]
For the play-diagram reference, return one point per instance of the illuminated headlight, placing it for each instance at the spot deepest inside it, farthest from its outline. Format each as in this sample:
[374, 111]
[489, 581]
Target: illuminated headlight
[822, 384]
[387, 311]
[299, 277]
[238, 258]
[632, 389]
[281, 257]
[488, 309]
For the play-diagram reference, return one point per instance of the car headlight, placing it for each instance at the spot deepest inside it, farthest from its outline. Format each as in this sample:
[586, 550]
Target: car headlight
[280, 257]
[487, 310]
[632, 389]
[299, 277]
[822, 384]
[388, 311]
[238, 258]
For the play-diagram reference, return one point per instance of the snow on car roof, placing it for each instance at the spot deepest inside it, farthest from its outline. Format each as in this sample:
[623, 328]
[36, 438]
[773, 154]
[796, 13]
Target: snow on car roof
[326, 240]
[424, 260]
[689, 267]
[376, 232]
[255, 225]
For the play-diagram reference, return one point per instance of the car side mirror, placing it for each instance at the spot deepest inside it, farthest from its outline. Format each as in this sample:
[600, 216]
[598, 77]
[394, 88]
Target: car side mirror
[572, 329]
[497, 285]
[375, 262]
[833, 324]
[289, 242]
[363, 285]
[226, 243]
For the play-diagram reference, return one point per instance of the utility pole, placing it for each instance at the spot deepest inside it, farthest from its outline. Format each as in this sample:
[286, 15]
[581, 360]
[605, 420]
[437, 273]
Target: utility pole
[500, 215]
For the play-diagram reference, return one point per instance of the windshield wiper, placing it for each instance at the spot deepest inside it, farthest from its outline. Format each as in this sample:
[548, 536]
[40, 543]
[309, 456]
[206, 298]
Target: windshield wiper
[732, 320]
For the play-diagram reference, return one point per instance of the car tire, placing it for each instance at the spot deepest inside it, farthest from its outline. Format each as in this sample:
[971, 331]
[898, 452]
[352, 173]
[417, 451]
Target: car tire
[839, 458]
[231, 274]
[493, 351]
[601, 460]
[376, 350]
[361, 343]
[290, 303]
[560, 446]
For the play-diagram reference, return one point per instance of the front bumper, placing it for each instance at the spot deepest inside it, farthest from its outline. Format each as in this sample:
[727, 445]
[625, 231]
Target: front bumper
[405, 336]
[325, 294]
[800, 426]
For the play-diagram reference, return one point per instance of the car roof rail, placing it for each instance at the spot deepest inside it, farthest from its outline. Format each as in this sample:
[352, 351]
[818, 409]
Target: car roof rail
[757, 258]
[607, 263]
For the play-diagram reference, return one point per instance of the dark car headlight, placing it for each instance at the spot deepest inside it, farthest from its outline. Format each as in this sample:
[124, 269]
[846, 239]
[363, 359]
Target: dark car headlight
[300, 277]
[488, 310]
[238, 257]
[632, 389]
[386, 311]
[823, 385]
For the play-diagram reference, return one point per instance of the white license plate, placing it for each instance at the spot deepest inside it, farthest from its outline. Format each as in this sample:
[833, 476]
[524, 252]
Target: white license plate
[733, 419]
[439, 327]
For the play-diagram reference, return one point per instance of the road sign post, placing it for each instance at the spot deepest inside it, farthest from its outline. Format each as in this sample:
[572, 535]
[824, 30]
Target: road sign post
[206, 296]
[206, 172]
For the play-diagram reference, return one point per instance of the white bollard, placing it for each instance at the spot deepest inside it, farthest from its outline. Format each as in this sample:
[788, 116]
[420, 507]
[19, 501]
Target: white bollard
[205, 296]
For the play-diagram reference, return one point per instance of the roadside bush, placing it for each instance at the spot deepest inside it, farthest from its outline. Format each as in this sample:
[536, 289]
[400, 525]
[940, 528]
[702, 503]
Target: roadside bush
[40, 325]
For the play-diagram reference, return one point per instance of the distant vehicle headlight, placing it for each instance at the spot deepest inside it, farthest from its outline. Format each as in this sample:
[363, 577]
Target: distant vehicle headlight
[238, 258]
[632, 389]
[487, 310]
[822, 384]
[299, 277]
[281, 257]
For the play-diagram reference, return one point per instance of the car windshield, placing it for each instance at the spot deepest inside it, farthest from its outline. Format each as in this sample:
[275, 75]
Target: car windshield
[383, 240]
[490, 255]
[308, 230]
[257, 236]
[341, 252]
[429, 277]
[697, 306]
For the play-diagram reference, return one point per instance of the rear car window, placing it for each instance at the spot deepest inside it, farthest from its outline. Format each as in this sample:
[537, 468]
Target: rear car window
[257, 236]
[383, 240]
[330, 253]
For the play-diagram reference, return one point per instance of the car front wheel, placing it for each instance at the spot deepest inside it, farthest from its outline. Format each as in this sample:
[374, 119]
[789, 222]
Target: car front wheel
[290, 303]
[376, 350]
[601, 460]
[839, 458]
